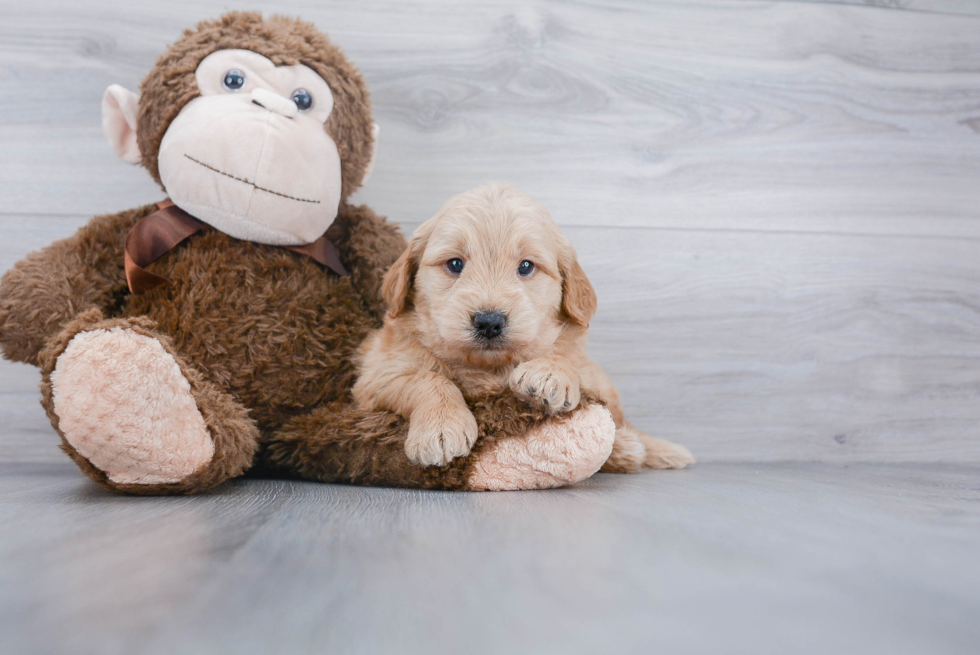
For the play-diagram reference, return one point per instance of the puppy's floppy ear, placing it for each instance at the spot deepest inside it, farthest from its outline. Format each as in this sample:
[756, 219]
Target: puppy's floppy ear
[396, 286]
[397, 283]
[578, 299]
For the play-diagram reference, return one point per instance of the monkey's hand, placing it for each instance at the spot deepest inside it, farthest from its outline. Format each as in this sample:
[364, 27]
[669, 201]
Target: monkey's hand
[46, 289]
[547, 381]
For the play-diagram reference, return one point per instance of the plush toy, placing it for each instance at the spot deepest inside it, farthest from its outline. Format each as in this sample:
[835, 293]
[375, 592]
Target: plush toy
[184, 342]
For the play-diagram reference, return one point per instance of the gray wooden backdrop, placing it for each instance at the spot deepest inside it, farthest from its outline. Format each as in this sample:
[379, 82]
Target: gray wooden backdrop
[776, 201]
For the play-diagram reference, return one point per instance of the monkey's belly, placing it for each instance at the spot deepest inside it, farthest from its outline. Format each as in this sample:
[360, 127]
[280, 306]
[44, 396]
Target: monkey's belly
[272, 328]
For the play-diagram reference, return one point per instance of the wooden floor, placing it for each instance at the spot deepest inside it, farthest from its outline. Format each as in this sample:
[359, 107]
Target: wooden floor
[721, 558]
[779, 205]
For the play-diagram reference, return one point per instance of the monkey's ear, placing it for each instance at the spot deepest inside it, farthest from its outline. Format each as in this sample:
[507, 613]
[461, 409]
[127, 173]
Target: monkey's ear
[375, 130]
[120, 107]
[578, 299]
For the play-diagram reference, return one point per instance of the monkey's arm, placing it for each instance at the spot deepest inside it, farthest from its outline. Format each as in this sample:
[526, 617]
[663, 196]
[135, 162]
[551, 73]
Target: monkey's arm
[520, 447]
[368, 245]
[48, 288]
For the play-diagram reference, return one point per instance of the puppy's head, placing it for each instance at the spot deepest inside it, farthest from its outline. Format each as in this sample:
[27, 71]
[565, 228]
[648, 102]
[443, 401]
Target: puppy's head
[491, 279]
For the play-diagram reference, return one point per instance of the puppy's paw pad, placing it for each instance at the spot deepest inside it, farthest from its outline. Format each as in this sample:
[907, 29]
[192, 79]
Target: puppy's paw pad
[439, 435]
[539, 382]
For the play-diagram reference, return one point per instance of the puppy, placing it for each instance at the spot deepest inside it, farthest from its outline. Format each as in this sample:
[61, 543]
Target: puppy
[489, 295]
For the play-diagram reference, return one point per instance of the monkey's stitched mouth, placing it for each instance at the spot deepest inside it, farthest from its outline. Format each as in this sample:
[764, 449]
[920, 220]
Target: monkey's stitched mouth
[251, 184]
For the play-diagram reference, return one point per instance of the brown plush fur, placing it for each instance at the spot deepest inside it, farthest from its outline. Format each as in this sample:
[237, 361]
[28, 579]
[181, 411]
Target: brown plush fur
[210, 312]
[270, 327]
[285, 41]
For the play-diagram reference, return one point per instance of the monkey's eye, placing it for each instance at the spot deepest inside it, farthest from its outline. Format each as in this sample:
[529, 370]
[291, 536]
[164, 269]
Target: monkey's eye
[455, 265]
[233, 80]
[525, 268]
[303, 99]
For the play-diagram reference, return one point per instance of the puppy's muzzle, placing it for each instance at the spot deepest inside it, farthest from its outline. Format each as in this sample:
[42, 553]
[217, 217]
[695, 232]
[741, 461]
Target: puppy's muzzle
[489, 325]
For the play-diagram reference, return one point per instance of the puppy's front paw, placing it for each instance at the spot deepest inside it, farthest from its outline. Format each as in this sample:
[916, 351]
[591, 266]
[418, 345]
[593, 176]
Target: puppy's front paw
[439, 434]
[539, 381]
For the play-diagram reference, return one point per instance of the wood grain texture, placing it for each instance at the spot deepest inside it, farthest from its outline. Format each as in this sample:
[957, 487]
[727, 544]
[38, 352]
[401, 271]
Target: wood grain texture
[746, 558]
[966, 7]
[777, 201]
[724, 114]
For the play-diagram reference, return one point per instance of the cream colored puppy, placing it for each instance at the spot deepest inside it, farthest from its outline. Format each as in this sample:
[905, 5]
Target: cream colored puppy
[489, 295]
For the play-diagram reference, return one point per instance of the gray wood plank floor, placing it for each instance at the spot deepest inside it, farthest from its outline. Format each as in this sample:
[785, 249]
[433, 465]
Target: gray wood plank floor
[721, 558]
[777, 202]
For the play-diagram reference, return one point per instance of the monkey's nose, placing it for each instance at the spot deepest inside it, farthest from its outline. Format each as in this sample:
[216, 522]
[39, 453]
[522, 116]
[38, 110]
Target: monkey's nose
[274, 102]
[489, 325]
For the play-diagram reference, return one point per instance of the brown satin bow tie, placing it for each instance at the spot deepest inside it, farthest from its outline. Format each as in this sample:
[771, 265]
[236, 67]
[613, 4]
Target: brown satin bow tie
[169, 226]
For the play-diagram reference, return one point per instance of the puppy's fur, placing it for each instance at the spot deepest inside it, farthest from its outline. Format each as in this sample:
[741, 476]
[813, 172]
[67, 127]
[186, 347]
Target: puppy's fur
[429, 356]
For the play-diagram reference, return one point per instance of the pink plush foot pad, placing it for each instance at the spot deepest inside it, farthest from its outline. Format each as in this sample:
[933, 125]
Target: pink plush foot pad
[551, 455]
[123, 404]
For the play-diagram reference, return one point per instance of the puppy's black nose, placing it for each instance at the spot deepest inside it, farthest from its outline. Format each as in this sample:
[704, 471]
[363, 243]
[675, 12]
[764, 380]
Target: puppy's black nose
[489, 325]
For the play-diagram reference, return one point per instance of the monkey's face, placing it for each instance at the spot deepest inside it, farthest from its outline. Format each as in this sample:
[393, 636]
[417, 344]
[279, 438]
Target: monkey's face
[250, 156]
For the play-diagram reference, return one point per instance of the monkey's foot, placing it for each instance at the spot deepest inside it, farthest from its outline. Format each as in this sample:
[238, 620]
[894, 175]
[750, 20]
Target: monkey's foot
[123, 404]
[553, 454]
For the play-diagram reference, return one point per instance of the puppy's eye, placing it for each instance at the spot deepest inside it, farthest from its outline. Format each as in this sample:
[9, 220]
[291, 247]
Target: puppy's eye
[455, 265]
[525, 268]
[233, 80]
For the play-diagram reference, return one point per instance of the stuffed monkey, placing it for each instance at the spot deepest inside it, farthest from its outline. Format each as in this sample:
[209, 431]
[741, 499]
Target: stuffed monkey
[184, 342]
